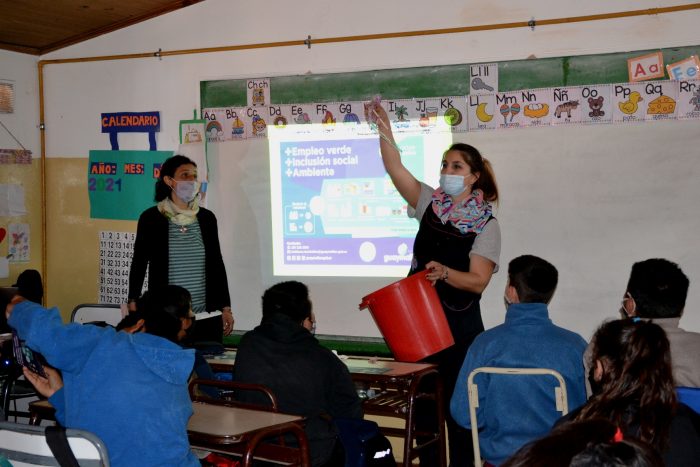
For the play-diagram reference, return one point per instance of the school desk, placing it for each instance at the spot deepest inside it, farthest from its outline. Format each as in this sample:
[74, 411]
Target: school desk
[235, 430]
[390, 389]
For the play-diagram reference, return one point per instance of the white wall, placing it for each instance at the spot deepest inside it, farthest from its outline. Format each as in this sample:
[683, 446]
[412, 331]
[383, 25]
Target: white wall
[21, 70]
[594, 182]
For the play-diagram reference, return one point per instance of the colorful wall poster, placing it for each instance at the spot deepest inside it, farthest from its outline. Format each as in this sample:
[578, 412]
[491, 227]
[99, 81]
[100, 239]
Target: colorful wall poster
[660, 100]
[18, 248]
[483, 78]
[596, 104]
[688, 99]
[628, 103]
[258, 92]
[481, 110]
[121, 183]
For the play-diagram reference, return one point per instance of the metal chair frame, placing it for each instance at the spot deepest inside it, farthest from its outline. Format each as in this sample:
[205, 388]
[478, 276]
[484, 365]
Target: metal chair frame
[90, 312]
[560, 398]
[26, 445]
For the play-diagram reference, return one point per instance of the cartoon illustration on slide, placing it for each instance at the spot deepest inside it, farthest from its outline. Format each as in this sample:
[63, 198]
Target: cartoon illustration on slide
[259, 126]
[481, 113]
[351, 118]
[328, 119]
[630, 106]
[302, 119]
[237, 128]
[536, 110]
[695, 100]
[453, 117]
[662, 105]
[567, 107]
[596, 105]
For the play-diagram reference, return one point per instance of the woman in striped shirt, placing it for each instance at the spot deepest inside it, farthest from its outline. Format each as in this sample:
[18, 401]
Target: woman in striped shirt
[178, 241]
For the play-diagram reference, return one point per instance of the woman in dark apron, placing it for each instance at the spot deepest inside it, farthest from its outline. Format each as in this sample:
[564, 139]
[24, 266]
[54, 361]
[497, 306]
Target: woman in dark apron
[459, 243]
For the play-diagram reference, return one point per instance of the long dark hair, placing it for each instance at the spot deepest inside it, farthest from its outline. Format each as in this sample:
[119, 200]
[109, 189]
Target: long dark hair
[168, 170]
[637, 388]
[588, 442]
[478, 164]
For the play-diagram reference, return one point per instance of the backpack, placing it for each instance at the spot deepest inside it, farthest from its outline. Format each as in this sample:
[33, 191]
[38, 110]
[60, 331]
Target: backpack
[365, 445]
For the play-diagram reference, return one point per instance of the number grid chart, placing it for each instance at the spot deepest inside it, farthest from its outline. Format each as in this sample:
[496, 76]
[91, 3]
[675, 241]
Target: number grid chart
[116, 252]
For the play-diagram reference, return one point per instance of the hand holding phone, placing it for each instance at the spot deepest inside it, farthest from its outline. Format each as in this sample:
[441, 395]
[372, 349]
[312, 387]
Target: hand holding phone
[48, 386]
[26, 357]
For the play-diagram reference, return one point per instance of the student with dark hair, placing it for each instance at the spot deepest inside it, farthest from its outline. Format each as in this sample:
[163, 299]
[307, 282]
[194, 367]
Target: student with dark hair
[178, 241]
[594, 442]
[633, 387]
[128, 387]
[307, 379]
[515, 410]
[657, 290]
[30, 286]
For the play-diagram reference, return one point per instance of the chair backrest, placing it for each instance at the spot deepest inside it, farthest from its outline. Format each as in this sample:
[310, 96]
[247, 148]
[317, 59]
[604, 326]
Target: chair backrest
[25, 446]
[96, 312]
[199, 393]
[560, 398]
[690, 397]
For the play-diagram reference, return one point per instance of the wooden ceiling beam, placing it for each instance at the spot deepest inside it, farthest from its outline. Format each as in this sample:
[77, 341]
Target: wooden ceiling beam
[19, 48]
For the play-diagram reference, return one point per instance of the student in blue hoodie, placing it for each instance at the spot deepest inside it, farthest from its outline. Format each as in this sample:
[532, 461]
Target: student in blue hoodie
[514, 410]
[128, 387]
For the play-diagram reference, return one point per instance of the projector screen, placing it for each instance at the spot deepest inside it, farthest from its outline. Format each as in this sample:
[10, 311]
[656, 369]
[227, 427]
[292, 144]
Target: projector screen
[335, 211]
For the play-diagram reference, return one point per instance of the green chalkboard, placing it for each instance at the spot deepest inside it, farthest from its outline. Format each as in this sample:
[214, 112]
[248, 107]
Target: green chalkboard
[434, 81]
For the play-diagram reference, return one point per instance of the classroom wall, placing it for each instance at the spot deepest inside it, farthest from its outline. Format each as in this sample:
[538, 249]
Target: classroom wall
[581, 197]
[20, 69]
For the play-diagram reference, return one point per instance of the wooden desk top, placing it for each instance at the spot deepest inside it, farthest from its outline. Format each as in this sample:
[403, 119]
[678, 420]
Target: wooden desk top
[233, 423]
[356, 365]
[374, 366]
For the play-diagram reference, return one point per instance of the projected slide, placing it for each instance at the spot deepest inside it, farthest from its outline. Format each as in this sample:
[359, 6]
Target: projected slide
[335, 210]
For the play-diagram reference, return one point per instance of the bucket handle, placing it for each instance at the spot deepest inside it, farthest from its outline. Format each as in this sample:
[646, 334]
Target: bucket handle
[365, 303]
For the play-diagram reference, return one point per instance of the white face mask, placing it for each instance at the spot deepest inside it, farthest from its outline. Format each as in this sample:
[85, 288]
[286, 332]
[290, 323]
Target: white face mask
[186, 190]
[453, 185]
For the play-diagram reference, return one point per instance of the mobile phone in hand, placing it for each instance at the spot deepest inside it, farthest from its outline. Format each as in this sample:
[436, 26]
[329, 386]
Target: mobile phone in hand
[26, 357]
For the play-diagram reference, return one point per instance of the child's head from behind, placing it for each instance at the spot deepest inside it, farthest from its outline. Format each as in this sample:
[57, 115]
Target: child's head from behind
[533, 279]
[166, 312]
[632, 357]
[290, 298]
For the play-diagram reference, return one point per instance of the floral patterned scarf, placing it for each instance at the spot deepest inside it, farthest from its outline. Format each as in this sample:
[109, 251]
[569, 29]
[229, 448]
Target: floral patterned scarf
[179, 216]
[470, 215]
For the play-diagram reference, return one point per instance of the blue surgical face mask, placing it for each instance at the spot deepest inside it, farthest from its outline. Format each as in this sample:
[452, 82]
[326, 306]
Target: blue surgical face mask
[453, 185]
[186, 190]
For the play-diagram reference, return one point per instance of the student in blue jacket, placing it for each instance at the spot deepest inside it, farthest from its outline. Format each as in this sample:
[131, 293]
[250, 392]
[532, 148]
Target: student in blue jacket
[128, 387]
[514, 410]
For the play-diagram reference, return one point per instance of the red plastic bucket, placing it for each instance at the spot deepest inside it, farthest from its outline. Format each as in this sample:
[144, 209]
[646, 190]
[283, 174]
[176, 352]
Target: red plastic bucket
[410, 317]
